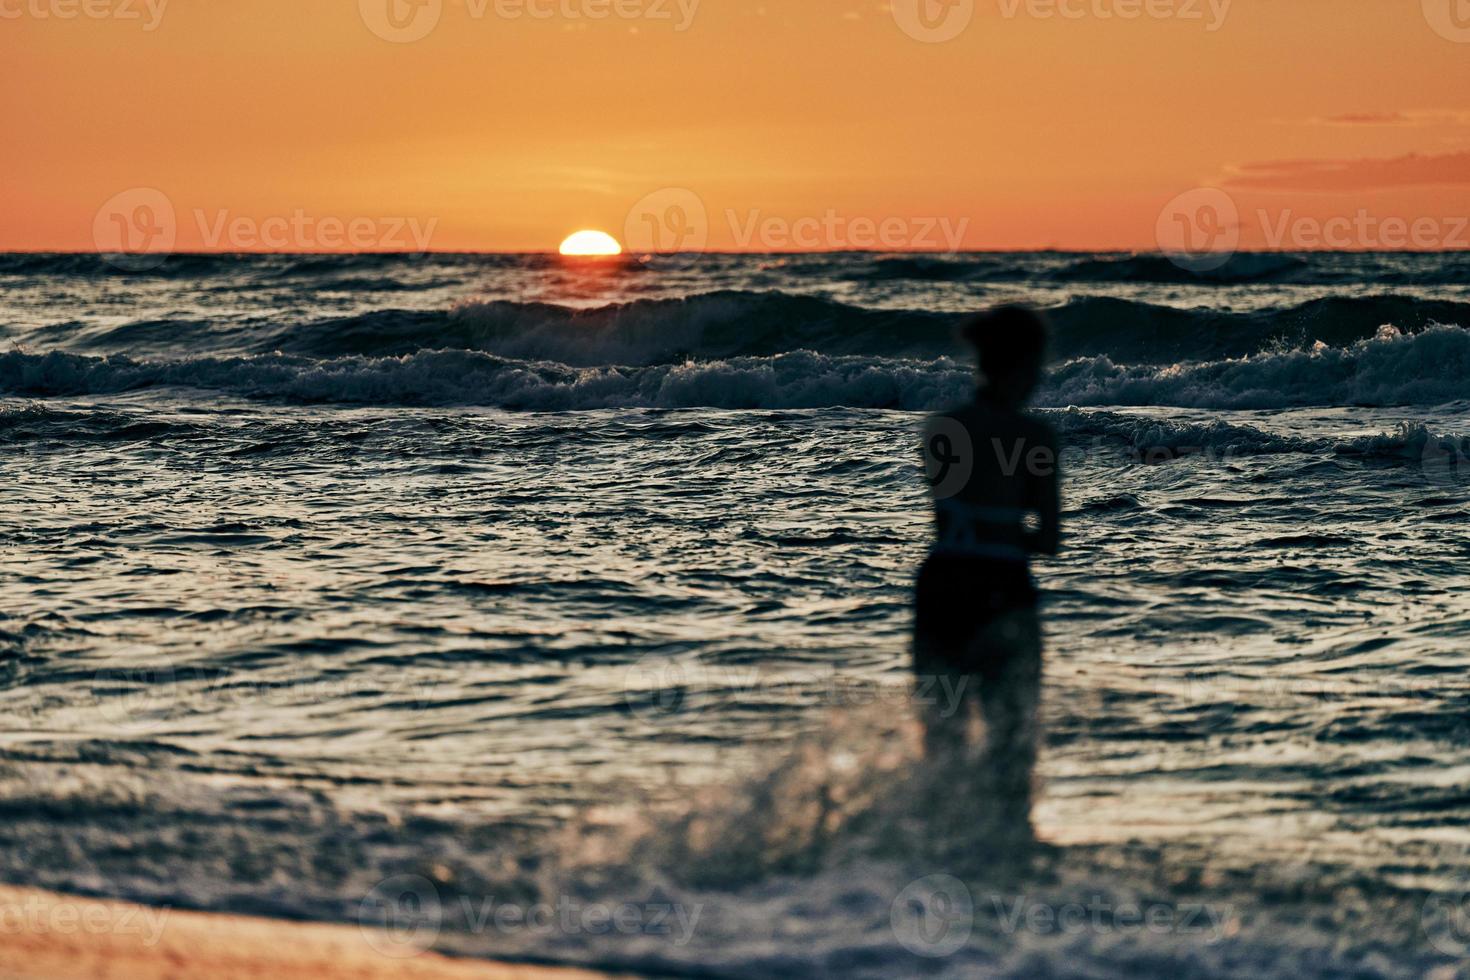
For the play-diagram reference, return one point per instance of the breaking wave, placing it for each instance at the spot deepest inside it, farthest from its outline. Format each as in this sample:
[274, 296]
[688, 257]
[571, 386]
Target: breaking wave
[745, 324]
[741, 324]
[1426, 368]
[1391, 368]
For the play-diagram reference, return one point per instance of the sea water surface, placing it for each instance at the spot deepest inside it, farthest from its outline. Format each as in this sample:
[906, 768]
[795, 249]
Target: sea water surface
[514, 578]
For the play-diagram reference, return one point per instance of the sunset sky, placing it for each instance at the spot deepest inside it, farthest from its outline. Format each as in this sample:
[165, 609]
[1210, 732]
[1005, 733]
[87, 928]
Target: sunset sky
[501, 132]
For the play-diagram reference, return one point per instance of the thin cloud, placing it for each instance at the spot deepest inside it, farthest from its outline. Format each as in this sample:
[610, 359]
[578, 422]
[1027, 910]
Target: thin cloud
[1368, 119]
[1410, 117]
[1414, 170]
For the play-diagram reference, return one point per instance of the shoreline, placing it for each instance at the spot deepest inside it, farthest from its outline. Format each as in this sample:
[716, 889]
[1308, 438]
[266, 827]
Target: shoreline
[50, 936]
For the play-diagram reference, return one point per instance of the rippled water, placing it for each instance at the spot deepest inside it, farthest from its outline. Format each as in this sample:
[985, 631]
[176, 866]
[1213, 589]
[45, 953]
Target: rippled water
[261, 649]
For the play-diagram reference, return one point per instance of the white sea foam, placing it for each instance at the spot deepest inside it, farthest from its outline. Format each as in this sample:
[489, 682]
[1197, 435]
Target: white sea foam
[1426, 368]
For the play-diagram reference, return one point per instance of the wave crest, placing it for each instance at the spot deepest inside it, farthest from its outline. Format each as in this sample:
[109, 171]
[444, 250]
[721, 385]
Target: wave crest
[721, 325]
[1426, 368]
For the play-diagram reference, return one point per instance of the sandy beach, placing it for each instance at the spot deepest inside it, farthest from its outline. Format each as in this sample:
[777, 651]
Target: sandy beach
[45, 936]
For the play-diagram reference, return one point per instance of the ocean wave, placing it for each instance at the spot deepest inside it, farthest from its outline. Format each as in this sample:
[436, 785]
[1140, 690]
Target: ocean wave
[1157, 440]
[246, 267]
[38, 422]
[800, 379]
[728, 324]
[643, 332]
[1132, 332]
[92, 265]
[1398, 269]
[741, 323]
[1391, 368]
[1151, 267]
[1112, 438]
[942, 268]
[1427, 368]
[1241, 268]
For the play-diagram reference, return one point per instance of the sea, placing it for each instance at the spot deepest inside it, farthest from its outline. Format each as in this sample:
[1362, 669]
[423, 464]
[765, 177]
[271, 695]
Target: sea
[558, 611]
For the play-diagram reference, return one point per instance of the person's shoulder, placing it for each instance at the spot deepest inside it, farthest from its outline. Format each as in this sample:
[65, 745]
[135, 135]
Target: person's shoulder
[963, 413]
[956, 410]
[1039, 429]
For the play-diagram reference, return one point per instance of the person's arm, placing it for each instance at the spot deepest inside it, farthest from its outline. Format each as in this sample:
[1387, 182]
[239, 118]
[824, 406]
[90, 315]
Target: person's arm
[1045, 493]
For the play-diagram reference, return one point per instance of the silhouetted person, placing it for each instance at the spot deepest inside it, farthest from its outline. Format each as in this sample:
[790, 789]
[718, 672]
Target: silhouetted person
[977, 642]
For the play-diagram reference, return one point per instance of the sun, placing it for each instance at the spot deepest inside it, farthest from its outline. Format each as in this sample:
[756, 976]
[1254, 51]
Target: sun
[591, 243]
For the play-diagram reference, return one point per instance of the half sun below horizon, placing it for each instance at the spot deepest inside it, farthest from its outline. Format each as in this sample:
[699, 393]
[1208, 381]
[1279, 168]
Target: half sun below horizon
[590, 243]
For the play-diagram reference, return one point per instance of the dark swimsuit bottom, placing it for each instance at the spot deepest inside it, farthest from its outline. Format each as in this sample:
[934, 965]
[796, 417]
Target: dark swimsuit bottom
[958, 595]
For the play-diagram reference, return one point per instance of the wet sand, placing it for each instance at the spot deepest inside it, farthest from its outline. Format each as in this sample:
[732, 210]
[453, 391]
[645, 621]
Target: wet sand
[45, 936]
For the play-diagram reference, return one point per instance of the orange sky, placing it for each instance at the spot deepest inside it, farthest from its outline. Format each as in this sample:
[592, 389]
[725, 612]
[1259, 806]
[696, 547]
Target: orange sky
[789, 123]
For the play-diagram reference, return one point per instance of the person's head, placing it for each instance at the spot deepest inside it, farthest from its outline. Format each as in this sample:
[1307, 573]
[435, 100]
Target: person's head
[1011, 343]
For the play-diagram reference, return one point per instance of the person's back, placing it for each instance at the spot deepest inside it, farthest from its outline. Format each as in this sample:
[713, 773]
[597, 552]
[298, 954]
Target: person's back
[1003, 504]
[993, 473]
